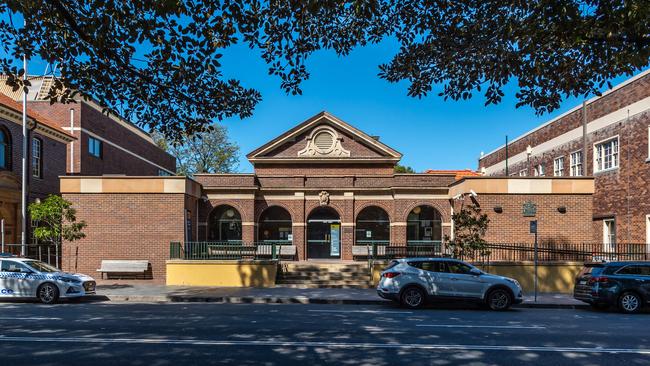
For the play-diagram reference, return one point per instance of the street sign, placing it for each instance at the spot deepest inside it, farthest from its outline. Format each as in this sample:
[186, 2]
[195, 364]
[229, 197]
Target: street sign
[533, 227]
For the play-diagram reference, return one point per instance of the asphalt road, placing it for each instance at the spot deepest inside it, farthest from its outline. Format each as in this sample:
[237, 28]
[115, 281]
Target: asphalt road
[248, 334]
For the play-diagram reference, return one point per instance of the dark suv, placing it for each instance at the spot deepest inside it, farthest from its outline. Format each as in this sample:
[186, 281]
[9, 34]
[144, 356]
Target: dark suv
[625, 284]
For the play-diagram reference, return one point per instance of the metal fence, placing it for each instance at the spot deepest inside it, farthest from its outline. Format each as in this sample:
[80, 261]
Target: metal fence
[491, 252]
[48, 253]
[232, 250]
[517, 252]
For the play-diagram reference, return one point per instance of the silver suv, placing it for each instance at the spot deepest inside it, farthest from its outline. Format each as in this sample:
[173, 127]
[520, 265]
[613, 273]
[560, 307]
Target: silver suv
[414, 281]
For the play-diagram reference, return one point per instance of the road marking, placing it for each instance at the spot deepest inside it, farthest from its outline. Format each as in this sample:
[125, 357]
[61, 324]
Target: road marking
[29, 318]
[351, 345]
[361, 311]
[481, 326]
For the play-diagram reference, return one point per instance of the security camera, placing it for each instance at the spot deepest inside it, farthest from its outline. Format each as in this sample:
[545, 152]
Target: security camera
[472, 193]
[457, 197]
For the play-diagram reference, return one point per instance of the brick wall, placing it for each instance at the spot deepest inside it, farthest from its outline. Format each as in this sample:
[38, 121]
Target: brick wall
[510, 226]
[126, 226]
[114, 160]
[621, 194]
[628, 94]
[54, 153]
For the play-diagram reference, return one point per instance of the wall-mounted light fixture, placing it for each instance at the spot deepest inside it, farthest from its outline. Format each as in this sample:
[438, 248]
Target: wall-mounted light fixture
[561, 209]
[498, 209]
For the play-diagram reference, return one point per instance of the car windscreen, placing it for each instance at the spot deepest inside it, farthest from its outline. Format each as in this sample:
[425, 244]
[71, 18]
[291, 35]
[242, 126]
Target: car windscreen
[41, 267]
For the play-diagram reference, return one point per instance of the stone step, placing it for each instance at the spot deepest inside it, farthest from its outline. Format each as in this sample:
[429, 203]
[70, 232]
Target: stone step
[327, 282]
[311, 285]
[324, 278]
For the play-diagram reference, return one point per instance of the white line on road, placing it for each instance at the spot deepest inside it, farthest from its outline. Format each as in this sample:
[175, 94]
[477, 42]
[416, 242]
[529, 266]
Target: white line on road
[29, 318]
[361, 311]
[351, 345]
[481, 326]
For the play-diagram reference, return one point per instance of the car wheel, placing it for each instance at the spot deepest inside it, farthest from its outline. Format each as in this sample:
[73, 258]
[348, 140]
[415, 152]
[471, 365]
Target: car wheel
[499, 300]
[412, 297]
[48, 293]
[629, 302]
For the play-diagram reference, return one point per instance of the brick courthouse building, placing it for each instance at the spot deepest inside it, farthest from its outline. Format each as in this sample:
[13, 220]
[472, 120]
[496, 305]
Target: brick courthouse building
[322, 188]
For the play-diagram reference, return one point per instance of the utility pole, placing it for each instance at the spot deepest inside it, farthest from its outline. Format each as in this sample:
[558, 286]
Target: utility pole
[23, 198]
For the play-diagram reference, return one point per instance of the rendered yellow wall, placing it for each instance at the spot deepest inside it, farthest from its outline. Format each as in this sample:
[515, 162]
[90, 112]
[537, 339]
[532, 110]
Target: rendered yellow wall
[221, 273]
[552, 277]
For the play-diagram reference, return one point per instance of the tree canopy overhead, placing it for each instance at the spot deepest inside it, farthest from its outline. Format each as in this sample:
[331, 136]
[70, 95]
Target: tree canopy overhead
[157, 62]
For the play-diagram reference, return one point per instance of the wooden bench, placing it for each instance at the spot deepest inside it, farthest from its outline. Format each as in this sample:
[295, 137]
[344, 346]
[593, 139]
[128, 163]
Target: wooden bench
[366, 251]
[281, 250]
[131, 267]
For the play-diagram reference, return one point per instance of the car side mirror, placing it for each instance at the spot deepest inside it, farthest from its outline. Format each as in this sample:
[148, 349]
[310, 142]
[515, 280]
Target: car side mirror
[475, 272]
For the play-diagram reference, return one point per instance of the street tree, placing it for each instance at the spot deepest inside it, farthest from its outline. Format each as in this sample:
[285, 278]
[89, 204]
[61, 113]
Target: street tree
[55, 220]
[203, 152]
[403, 169]
[470, 226]
[158, 62]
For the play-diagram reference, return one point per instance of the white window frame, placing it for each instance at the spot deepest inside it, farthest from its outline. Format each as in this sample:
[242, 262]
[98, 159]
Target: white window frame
[600, 162]
[609, 245]
[523, 173]
[37, 156]
[558, 169]
[92, 143]
[539, 170]
[576, 164]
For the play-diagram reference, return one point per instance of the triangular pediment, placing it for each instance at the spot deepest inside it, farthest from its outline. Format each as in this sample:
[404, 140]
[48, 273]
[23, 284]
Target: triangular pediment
[324, 137]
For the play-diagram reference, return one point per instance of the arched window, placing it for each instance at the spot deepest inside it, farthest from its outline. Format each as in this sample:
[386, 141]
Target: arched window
[37, 157]
[275, 225]
[224, 224]
[372, 227]
[423, 226]
[5, 149]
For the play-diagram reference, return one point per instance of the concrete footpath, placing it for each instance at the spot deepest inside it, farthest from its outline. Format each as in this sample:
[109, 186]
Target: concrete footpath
[139, 292]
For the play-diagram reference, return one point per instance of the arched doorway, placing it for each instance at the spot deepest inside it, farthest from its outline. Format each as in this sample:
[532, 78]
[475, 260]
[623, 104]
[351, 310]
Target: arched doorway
[424, 226]
[372, 227]
[224, 224]
[275, 226]
[324, 233]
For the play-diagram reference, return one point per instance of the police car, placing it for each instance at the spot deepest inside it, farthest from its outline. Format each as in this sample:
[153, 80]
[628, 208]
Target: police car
[29, 278]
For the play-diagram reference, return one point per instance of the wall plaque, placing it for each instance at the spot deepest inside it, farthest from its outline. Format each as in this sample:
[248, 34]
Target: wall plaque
[529, 209]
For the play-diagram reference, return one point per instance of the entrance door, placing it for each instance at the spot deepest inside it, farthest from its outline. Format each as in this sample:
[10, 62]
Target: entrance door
[324, 234]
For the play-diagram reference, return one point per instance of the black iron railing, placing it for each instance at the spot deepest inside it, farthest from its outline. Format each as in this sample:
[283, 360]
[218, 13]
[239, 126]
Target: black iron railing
[231, 250]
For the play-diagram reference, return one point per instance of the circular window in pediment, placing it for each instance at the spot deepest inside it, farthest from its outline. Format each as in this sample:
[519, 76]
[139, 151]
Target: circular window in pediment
[324, 141]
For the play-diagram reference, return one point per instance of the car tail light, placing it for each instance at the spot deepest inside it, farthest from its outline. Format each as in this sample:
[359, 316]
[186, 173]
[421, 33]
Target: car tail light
[602, 280]
[391, 274]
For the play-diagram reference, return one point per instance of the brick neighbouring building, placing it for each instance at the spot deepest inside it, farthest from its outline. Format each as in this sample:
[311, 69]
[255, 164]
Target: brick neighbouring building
[322, 187]
[46, 161]
[617, 156]
[105, 144]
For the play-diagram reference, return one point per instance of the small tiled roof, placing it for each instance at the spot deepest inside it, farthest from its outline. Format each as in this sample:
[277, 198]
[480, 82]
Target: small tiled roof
[457, 173]
[18, 107]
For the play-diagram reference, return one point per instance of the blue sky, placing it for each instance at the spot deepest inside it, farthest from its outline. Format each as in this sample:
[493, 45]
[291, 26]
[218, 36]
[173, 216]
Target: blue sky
[431, 133]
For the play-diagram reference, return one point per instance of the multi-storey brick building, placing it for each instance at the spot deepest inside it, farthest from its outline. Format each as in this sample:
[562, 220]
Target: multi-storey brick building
[606, 138]
[46, 161]
[104, 144]
[323, 188]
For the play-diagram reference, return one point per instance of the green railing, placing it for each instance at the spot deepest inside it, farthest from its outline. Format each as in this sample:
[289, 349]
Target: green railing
[231, 250]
